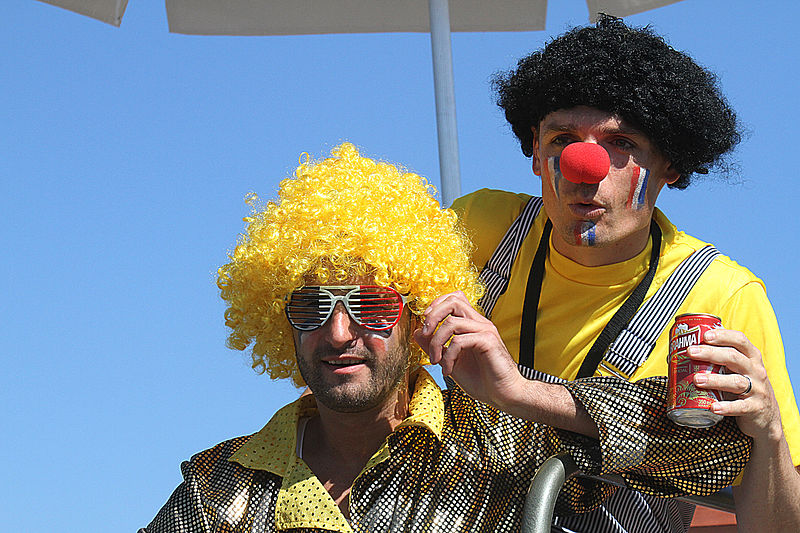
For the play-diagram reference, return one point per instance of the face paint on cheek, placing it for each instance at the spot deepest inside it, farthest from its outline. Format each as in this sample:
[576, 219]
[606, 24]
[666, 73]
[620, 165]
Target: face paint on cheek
[585, 234]
[378, 334]
[638, 194]
[554, 172]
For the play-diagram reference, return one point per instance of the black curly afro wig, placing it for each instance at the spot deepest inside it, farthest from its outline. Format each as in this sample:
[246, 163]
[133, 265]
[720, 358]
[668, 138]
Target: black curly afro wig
[630, 72]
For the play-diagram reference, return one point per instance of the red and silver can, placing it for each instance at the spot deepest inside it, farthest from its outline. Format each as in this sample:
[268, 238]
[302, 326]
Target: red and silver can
[686, 404]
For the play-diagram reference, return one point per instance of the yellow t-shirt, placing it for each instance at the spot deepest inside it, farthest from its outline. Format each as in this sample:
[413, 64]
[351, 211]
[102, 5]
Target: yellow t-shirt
[577, 302]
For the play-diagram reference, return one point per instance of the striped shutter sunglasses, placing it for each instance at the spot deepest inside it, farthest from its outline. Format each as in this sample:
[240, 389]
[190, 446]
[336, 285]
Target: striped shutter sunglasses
[371, 306]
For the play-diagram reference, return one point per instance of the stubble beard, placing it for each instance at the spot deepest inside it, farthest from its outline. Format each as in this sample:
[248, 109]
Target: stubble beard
[354, 397]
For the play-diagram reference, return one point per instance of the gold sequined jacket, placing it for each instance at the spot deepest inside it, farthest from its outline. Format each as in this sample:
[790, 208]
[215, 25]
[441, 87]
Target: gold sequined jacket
[454, 464]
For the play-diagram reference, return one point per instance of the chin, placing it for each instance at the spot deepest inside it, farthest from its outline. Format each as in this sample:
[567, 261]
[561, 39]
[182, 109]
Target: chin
[349, 399]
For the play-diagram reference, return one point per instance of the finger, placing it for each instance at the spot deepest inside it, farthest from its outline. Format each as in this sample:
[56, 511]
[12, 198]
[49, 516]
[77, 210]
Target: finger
[423, 341]
[731, 358]
[436, 338]
[456, 326]
[733, 339]
[441, 298]
[740, 407]
[449, 327]
[450, 355]
[445, 300]
[435, 341]
[459, 347]
[424, 337]
[731, 408]
[455, 304]
[732, 383]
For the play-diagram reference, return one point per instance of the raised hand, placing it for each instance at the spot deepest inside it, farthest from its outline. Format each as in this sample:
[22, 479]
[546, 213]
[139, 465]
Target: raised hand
[468, 347]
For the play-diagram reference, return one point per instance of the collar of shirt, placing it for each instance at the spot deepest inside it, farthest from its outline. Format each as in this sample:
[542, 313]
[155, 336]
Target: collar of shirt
[302, 501]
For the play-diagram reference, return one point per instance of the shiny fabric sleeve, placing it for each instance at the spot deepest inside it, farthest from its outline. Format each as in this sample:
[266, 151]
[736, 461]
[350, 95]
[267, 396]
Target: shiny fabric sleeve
[184, 508]
[508, 450]
[651, 453]
[218, 495]
[637, 441]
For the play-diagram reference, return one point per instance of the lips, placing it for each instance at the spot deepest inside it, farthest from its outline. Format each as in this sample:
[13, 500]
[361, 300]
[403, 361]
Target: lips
[586, 210]
[344, 364]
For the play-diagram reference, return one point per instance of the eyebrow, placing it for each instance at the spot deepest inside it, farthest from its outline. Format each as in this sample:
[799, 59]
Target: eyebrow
[567, 127]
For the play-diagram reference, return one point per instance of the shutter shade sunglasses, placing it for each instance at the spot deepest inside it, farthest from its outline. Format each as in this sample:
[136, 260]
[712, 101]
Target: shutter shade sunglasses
[373, 307]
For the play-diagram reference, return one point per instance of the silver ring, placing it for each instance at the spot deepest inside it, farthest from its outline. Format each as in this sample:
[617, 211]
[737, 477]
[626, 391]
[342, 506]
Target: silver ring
[749, 386]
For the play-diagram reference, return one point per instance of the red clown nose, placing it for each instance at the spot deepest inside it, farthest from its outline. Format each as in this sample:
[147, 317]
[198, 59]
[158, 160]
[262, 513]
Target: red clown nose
[584, 163]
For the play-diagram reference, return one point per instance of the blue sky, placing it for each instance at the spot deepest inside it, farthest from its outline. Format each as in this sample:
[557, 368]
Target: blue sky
[125, 156]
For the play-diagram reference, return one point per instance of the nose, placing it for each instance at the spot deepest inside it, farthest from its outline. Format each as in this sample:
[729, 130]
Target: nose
[341, 328]
[584, 162]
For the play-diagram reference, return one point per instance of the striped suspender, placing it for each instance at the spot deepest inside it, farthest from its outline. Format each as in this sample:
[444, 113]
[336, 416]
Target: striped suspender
[496, 273]
[634, 344]
[532, 373]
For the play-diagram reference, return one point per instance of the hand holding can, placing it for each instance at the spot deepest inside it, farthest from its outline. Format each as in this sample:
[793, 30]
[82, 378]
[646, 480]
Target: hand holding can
[686, 404]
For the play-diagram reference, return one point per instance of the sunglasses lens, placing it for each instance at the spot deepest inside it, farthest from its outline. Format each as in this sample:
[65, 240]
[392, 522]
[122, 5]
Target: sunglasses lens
[308, 308]
[372, 307]
[376, 307]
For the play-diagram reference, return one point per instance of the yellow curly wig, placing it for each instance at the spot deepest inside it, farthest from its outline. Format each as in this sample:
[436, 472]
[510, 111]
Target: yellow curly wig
[344, 216]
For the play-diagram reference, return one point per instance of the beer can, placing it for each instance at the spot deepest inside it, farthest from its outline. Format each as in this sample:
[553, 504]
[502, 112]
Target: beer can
[686, 404]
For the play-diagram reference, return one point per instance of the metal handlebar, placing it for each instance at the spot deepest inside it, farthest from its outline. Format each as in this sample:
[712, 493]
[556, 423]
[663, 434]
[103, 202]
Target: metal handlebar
[537, 514]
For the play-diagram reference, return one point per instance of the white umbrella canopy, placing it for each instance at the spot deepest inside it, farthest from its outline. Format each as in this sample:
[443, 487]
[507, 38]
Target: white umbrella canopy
[304, 17]
[298, 17]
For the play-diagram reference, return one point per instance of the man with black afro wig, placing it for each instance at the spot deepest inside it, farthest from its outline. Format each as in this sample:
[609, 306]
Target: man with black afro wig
[588, 278]
[632, 73]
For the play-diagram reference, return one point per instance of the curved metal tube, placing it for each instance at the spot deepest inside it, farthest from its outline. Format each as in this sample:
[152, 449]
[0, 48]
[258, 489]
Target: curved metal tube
[537, 514]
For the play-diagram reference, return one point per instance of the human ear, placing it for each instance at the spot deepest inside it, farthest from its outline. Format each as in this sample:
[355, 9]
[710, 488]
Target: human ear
[536, 162]
[414, 322]
[671, 175]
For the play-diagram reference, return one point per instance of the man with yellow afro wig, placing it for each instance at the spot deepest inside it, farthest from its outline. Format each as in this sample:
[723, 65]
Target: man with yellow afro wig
[341, 217]
[340, 285]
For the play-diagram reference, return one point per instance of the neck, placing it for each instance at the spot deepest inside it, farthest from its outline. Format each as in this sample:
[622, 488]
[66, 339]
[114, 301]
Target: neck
[338, 445]
[344, 442]
[354, 437]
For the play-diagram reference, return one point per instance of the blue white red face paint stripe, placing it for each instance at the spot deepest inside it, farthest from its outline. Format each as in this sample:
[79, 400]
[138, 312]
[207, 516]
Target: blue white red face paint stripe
[638, 193]
[554, 172]
[585, 233]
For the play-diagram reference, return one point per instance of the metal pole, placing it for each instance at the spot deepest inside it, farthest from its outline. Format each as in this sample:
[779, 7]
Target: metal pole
[445, 101]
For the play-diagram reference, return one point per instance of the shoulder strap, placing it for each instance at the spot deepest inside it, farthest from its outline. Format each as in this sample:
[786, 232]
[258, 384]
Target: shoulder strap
[635, 343]
[532, 373]
[626, 311]
[496, 273]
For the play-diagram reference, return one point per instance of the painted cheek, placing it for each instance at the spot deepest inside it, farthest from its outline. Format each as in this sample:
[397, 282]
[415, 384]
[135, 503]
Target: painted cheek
[637, 196]
[382, 334]
[554, 173]
[585, 233]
